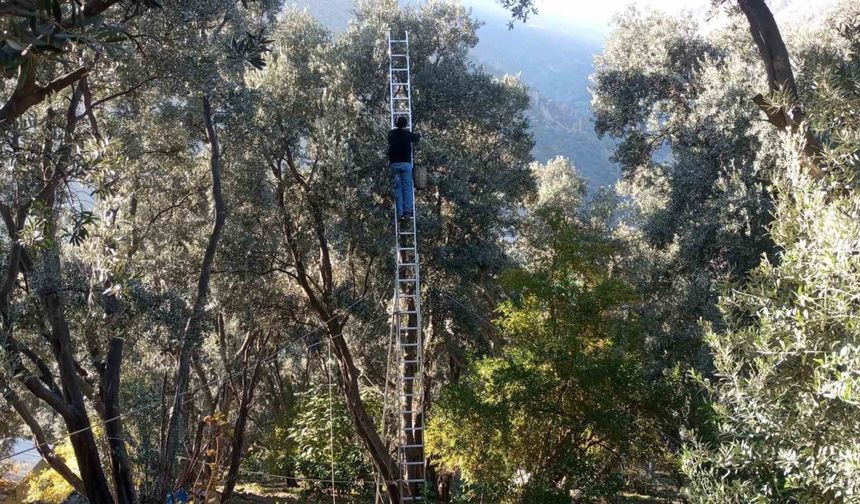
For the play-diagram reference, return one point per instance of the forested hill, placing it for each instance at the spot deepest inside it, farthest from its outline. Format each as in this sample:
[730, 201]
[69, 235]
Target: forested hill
[555, 64]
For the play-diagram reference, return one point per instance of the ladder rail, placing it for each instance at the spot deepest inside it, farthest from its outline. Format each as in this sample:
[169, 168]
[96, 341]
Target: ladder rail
[410, 342]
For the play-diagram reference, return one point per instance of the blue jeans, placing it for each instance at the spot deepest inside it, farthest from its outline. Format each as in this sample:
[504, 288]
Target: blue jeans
[402, 187]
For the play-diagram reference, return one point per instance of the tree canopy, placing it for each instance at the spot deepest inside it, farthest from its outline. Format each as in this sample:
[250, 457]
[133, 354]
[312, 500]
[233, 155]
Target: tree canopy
[197, 267]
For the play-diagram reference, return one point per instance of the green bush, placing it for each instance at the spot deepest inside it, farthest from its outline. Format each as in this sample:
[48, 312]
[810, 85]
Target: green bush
[786, 392]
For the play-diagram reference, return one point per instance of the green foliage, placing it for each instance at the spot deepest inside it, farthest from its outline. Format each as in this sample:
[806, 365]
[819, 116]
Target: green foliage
[785, 394]
[578, 382]
[785, 409]
[44, 486]
[49, 27]
[831, 56]
[694, 157]
[303, 445]
[562, 406]
[520, 9]
[784, 405]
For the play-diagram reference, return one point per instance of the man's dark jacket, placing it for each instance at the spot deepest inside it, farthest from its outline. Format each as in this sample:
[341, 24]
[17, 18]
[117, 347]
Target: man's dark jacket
[400, 142]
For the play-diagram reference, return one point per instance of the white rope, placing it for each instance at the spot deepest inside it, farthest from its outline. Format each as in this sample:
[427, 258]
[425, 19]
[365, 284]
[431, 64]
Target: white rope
[355, 482]
[153, 404]
[382, 423]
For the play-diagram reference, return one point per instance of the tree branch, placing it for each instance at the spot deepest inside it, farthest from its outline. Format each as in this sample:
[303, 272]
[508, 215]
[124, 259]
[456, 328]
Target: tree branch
[42, 445]
[96, 103]
[780, 77]
[27, 93]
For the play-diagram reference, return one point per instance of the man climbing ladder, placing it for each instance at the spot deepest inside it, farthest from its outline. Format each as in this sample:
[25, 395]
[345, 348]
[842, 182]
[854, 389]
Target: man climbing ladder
[407, 292]
[400, 141]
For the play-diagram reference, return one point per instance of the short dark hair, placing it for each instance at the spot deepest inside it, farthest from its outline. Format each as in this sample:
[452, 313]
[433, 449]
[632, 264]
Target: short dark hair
[401, 122]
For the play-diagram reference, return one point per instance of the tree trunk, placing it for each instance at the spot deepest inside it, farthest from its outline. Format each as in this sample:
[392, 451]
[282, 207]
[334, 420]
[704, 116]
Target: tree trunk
[780, 77]
[67, 399]
[364, 424]
[72, 406]
[75, 416]
[191, 336]
[41, 442]
[249, 384]
[319, 302]
[120, 464]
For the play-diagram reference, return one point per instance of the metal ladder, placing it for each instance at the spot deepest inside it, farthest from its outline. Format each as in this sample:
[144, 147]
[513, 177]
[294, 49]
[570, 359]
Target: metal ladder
[407, 302]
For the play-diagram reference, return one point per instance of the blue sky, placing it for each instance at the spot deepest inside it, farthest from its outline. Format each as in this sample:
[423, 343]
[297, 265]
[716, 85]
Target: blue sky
[594, 15]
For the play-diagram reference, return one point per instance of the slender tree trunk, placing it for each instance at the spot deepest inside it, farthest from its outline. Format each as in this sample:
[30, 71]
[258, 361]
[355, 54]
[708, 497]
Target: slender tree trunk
[67, 399]
[120, 464]
[319, 302]
[237, 449]
[192, 333]
[72, 406]
[349, 374]
[364, 423]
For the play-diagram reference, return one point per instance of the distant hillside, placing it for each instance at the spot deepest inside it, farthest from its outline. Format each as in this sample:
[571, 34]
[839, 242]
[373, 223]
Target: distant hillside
[562, 129]
[556, 66]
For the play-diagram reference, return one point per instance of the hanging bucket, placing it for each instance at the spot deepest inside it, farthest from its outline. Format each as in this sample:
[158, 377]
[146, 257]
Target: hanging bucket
[420, 177]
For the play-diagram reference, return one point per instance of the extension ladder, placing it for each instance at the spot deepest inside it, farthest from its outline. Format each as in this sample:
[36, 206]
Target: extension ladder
[407, 301]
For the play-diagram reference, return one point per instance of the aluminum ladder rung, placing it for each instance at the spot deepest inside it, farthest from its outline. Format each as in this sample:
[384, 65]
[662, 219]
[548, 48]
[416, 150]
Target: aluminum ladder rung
[415, 481]
[409, 345]
[408, 362]
[414, 463]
